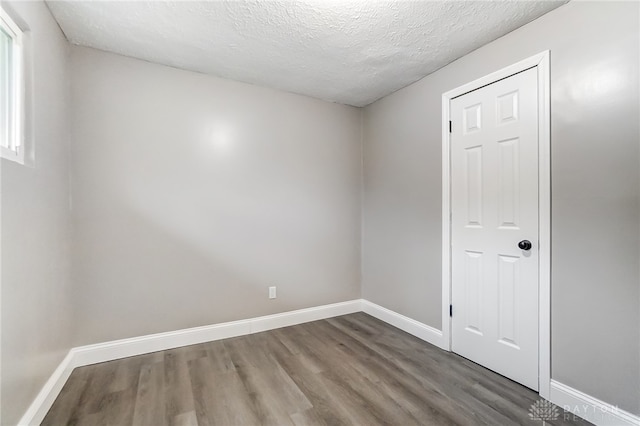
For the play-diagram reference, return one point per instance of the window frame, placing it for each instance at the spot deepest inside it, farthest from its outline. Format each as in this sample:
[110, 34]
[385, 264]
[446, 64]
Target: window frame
[13, 149]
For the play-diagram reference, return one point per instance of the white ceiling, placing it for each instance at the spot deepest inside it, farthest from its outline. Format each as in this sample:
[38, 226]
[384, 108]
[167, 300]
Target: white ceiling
[351, 52]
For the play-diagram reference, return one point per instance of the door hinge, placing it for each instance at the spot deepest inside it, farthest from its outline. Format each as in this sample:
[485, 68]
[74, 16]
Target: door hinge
[450, 310]
[450, 127]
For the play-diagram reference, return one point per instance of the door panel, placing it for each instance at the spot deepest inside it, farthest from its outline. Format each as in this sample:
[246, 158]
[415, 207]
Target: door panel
[473, 292]
[473, 171]
[494, 205]
[508, 183]
[507, 300]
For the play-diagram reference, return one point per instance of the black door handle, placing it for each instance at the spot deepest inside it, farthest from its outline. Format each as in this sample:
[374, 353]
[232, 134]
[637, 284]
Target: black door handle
[525, 245]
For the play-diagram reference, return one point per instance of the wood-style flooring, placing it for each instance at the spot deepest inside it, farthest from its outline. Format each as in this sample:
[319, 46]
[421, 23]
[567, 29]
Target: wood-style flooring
[349, 370]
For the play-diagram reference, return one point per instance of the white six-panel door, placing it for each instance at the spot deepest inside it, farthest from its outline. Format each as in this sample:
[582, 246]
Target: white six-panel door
[494, 206]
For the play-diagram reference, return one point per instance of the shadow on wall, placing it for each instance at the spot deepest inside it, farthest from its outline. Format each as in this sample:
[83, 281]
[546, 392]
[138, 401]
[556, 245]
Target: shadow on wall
[167, 262]
[197, 194]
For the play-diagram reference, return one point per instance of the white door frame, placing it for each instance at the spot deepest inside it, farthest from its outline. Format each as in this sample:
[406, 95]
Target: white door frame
[541, 63]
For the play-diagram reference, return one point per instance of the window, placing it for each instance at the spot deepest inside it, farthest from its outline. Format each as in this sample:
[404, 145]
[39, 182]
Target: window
[11, 89]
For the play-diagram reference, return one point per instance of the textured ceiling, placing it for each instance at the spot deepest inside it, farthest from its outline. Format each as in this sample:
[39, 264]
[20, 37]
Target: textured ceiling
[351, 52]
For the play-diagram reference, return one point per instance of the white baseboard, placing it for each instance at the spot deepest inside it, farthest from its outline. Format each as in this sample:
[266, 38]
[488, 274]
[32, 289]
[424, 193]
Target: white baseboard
[572, 400]
[411, 326]
[116, 349]
[286, 319]
[108, 351]
[48, 394]
[589, 408]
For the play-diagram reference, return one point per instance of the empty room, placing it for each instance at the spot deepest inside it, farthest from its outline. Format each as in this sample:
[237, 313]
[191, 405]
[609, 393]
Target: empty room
[311, 212]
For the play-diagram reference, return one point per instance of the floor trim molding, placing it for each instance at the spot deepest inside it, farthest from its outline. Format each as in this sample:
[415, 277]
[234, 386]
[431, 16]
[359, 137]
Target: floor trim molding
[572, 400]
[49, 392]
[108, 351]
[589, 408]
[124, 348]
[411, 326]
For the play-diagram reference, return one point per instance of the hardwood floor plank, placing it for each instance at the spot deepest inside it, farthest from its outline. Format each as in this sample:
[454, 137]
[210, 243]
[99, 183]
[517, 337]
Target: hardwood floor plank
[260, 373]
[414, 397]
[309, 417]
[150, 398]
[219, 357]
[442, 394]
[99, 381]
[186, 419]
[303, 346]
[325, 403]
[116, 408]
[348, 370]
[178, 393]
[220, 397]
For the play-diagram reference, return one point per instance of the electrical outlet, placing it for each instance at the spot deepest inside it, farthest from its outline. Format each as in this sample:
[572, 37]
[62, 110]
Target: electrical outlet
[272, 292]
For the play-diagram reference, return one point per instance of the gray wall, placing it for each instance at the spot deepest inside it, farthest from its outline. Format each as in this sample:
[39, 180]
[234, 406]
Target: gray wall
[193, 194]
[595, 164]
[36, 231]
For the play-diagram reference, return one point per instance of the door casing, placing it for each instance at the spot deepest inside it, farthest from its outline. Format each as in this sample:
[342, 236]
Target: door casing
[541, 63]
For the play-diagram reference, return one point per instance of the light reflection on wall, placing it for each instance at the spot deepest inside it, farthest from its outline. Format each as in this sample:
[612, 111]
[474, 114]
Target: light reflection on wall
[594, 83]
[599, 82]
[221, 138]
[591, 87]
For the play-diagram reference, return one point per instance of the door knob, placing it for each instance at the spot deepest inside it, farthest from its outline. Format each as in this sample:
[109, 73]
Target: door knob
[525, 245]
